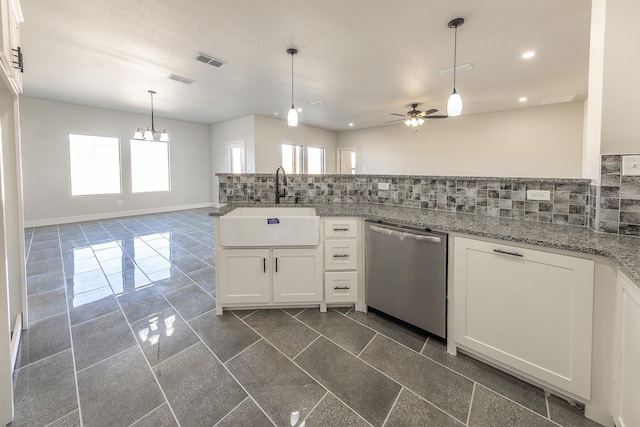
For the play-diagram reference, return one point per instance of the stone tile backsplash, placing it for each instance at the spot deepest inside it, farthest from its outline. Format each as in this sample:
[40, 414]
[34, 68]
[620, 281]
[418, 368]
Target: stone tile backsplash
[619, 205]
[571, 201]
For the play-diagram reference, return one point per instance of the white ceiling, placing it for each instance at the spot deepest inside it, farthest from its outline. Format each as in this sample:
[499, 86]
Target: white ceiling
[366, 58]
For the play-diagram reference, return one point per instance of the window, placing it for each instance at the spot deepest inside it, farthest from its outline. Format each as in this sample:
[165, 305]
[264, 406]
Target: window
[235, 157]
[347, 160]
[149, 166]
[292, 158]
[315, 160]
[94, 165]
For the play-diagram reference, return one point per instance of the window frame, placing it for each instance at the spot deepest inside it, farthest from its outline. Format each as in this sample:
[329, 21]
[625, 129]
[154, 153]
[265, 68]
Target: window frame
[301, 160]
[132, 142]
[323, 166]
[69, 166]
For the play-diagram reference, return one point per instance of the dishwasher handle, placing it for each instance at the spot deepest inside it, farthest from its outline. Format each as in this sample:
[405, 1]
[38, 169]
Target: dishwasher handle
[403, 235]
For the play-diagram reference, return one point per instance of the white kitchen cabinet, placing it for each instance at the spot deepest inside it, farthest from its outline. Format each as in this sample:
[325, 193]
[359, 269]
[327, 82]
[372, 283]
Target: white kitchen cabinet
[626, 411]
[267, 276]
[243, 276]
[297, 275]
[342, 260]
[527, 310]
[11, 61]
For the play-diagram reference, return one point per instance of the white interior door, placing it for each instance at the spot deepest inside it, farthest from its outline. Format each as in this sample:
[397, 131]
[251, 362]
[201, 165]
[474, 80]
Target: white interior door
[235, 156]
[347, 161]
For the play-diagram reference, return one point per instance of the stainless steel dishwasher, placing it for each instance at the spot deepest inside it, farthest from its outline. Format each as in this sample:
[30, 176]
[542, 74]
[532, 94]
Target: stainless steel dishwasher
[406, 274]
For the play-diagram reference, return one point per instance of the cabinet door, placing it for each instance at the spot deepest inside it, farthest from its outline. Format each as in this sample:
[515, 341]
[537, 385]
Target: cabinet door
[526, 309]
[297, 275]
[341, 286]
[626, 411]
[244, 275]
[340, 227]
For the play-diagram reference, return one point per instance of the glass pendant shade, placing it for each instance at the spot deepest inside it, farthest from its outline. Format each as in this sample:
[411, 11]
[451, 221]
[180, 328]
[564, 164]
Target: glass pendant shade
[148, 135]
[454, 106]
[138, 134]
[292, 117]
[164, 136]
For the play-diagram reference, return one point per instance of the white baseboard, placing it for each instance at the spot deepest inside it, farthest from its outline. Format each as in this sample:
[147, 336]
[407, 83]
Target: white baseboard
[109, 215]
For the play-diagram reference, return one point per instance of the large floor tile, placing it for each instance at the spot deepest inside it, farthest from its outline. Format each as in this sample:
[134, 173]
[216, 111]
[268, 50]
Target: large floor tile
[189, 263]
[411, 411]
[566, 415]
[97, 339]
[128, 281]
[44, 391]
[117, 265]
[225, 335]
[169, 280]
[142, 303]
[159, 417]
[41, 267]
[283, 331]
[332, 412]
[191, 301]
[492, 410]
[343, 331]
[364, 389]
[199, 388]
[72, 419]
[45, 282]
[390, 328]
[442, 387]
[163, 336]
[519, 391]
[45, 338]
[205, 278]
[89, 305]
[246, 414]
[275, 383]
[79, 266]
[118, 391]
[44, 255]
[47, 304]
[86, 282]
[47, 244]
[153, 264]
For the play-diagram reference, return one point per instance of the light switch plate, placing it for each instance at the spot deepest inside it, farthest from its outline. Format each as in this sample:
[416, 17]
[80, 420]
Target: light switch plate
[544, 195]
[630, 165]
[383, 186]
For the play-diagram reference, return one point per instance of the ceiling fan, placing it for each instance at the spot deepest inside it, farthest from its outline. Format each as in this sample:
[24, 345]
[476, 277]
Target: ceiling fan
[416, 117]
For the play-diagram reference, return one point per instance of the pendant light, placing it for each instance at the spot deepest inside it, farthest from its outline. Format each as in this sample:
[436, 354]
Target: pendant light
[292, 117]
[149, 133]
[454, 106]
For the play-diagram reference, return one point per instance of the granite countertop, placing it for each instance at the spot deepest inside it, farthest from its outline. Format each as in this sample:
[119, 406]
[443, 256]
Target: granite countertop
[625, 250]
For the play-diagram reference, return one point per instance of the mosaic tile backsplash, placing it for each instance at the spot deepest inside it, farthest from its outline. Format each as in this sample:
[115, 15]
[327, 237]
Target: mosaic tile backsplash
[619, 205]
[497, 197]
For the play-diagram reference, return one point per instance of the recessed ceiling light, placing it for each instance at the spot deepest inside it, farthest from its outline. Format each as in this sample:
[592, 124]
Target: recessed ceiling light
[275, 113]
[351, 124]
[522, 99]
[528, 54]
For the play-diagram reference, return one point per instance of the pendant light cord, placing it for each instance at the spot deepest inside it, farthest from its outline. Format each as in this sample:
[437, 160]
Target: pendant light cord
[292, 79]
[153, 128]
[455, 55]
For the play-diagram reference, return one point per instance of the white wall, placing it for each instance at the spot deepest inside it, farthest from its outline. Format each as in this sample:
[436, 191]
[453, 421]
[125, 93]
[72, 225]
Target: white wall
[242, 129]
[621, 98]
[45, 156]
[543, 141]
[271, 133]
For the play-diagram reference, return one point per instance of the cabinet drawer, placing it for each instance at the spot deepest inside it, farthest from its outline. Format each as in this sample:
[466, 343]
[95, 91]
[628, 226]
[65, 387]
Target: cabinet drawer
[341, 286]
[336, 227]
[340, 254]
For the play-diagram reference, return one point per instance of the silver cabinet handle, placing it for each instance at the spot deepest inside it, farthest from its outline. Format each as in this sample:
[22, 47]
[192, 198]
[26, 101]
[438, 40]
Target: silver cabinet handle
[498, 251]
[424, 238]
[341, 256]
[340, 229]
[341, 287]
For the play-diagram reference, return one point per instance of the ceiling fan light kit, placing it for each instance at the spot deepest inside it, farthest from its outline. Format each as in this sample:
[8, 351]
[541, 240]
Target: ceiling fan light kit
[149, 133]
[292, 117]
[454, 105]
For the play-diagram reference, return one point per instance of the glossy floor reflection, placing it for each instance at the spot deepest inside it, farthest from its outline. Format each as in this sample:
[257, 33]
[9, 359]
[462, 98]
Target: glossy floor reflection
[123, 332]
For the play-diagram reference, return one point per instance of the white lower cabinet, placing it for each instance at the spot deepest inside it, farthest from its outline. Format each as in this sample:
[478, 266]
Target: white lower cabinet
[262, 276]
[527, 310]
[341, 286]
[297, 275]
[626, 409]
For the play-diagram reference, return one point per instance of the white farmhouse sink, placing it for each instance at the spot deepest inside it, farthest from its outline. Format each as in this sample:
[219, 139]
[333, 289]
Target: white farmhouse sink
[286, 226]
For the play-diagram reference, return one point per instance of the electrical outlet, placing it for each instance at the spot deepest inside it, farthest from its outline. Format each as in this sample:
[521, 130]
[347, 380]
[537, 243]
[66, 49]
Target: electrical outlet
[544, 195]
[630, 165]
[119, 202]
[383, 186]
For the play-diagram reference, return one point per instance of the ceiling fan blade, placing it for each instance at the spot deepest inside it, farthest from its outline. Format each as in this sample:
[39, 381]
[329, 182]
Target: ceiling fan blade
[395, 114]
[436, 117]
[431, 111]
[398, 120]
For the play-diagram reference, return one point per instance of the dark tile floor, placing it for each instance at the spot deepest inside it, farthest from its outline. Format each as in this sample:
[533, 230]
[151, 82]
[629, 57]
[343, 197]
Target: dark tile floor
[123, 332]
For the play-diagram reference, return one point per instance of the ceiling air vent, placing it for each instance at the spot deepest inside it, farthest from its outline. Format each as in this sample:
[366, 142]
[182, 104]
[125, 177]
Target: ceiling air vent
[318, 103]
[181, 79]
[209, 60]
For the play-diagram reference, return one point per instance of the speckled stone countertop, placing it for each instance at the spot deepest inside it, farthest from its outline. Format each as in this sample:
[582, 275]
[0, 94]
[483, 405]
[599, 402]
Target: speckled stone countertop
[624, 250]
